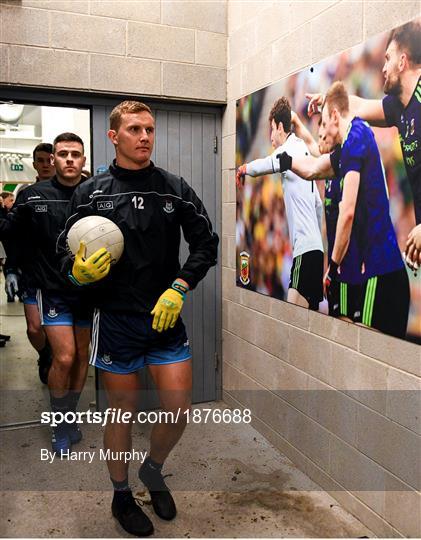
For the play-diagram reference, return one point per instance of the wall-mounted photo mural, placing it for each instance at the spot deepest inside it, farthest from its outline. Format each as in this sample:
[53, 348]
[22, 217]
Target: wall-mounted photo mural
[329, 186]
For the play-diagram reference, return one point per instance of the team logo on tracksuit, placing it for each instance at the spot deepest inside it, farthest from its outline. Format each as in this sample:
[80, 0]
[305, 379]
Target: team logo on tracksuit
[168, 207]
[245, 268]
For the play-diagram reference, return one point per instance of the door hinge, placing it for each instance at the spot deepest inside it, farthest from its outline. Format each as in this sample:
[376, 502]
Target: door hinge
[216, 361]
[215, 145]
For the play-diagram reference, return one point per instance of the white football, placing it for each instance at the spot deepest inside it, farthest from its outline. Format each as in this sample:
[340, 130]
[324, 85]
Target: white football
[97, 232]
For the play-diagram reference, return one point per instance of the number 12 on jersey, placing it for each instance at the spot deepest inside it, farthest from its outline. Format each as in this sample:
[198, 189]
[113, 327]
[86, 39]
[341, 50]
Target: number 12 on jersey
[138, 202]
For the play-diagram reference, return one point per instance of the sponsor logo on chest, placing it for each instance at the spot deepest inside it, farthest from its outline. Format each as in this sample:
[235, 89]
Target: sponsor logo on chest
[41, 208]
[105, 205]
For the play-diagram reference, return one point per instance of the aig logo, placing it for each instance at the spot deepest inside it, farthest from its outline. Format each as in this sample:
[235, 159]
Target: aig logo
[105, 205]
[40, 208]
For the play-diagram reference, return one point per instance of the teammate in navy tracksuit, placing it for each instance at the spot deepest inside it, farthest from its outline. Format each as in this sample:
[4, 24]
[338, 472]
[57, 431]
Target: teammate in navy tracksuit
[36, 219]
[18, 269]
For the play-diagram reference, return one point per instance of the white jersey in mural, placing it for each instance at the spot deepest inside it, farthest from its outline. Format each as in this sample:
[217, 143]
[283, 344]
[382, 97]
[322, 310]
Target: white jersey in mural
[302, 200]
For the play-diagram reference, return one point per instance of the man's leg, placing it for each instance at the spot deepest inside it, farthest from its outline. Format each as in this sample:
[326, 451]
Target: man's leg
[174, 385]
[38, 340]
[78, 374]
[63, 349]
[122, 393]
[294, 297]
[34, 330]
[79, 369]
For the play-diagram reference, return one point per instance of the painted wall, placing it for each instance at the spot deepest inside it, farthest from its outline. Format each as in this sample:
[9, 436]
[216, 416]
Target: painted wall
[341, 401]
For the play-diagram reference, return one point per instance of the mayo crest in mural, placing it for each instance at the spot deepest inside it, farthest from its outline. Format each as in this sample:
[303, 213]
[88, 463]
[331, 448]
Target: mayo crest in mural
[245, 268]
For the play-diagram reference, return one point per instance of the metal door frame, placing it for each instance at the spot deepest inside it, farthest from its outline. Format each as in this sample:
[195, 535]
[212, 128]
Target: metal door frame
[89, 100]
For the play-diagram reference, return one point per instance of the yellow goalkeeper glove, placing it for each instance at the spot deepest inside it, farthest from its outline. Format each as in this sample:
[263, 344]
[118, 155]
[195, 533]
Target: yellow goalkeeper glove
[93, 268]
[167, 309]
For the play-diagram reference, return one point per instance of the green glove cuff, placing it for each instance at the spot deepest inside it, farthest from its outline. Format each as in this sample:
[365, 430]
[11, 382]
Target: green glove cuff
[74, 280]
[180, 288]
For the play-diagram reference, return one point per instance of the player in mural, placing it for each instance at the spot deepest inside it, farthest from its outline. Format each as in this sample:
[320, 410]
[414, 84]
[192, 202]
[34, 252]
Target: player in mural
[303, 209]
[350, 279]
[363, 215]
[401, 107]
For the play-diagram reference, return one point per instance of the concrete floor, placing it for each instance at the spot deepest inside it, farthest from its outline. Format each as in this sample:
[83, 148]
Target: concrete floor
[227, 480]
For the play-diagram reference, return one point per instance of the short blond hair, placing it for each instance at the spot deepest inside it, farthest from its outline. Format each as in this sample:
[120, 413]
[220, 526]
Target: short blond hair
[337, 97]
[126, 107]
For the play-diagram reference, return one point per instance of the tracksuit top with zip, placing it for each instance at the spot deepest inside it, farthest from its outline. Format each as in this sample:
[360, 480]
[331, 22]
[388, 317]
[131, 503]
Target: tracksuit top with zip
[150, 206]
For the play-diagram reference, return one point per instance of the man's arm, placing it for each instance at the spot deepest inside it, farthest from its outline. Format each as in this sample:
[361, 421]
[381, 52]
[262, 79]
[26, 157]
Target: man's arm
[79, 269]
[413, 248]
[202, 240]
[370, 110]
[258, 167]
[303, 133]
[307, 167]
[346, 216]
[313, 168]
[14, 221]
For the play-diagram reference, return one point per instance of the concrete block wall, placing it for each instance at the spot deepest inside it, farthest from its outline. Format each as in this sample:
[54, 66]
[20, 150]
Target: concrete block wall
[159, 48]
[341, 401]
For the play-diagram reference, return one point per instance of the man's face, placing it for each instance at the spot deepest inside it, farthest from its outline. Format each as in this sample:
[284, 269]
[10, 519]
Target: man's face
[275, 136]
[134, 140]
[69, 160]
[324, 147]
[329, 127]
[392, 69]
[8, 203]
[42, 164]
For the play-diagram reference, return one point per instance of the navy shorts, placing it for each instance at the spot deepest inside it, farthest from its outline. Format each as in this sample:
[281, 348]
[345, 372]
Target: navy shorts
[385, 303]
[346, 302]
[307, 277]
[29, 296]
[63, 309]
[126, 342]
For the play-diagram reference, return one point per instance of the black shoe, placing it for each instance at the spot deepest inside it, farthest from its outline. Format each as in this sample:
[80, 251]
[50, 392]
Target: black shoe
[130, 516]
[2, 342]
[161, 497]
[4, 338]
[44, 364]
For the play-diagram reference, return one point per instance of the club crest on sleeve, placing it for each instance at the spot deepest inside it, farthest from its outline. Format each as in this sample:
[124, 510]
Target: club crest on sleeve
[244, 268]
[168, 208]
